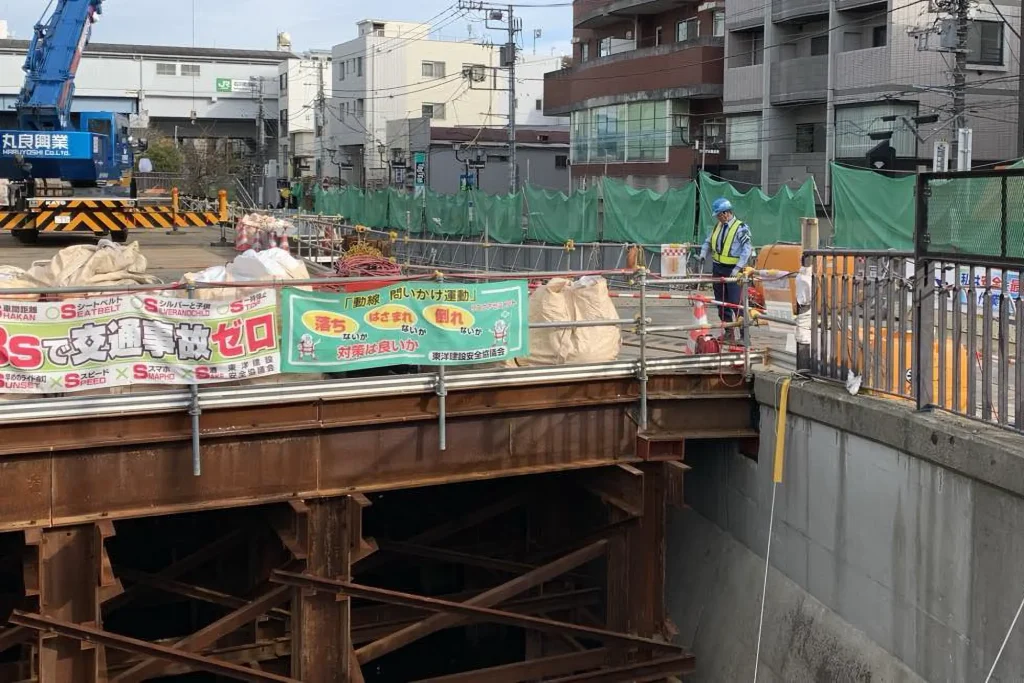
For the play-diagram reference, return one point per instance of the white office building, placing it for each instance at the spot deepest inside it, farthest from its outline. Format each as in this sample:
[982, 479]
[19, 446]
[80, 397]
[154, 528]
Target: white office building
[397, 70]
[301, 79]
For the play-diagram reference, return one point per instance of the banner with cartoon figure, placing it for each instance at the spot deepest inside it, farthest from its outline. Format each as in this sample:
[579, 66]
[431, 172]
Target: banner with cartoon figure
[135, 339]
[409, 323]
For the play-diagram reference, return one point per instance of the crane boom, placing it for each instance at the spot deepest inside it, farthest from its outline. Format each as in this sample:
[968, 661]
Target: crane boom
[44, 103]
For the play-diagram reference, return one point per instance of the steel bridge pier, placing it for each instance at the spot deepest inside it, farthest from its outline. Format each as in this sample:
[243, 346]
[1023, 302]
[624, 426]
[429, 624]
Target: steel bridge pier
[331, 539]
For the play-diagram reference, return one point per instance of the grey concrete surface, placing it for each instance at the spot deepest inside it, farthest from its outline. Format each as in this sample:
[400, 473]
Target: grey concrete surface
[925, 562]
[716, 607]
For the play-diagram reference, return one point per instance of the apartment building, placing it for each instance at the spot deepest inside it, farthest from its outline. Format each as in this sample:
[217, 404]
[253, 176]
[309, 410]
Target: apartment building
[644, 89]
[300, 79]
[808, 81]
[397, 70]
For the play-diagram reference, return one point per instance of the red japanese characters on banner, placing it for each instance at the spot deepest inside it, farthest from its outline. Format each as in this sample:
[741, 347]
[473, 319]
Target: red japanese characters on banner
[136, 339]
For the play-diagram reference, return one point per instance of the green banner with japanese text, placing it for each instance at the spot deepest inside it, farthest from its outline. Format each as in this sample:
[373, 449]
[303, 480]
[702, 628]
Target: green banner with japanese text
[409, 323]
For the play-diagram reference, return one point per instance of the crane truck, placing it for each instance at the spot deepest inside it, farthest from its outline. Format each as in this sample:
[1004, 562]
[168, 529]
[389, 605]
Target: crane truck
[64, 171]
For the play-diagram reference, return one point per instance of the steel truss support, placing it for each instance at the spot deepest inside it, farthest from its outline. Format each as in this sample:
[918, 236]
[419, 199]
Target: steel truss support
[531, 670]
[69, 572]
[322, 650]
[488, 598]
[80, 634]
[462, 609]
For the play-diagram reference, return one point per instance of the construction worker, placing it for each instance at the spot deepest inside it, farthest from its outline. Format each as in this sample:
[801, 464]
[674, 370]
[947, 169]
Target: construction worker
[730, 249]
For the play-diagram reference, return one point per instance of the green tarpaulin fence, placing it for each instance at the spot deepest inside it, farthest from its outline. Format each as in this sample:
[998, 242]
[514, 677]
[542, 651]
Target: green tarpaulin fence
[771, 219]
[555, 218]
[502, 215]
[646, 217]
[872, 211]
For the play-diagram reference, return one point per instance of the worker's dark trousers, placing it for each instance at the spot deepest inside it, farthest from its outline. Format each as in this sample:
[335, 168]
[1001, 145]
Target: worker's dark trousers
[730, 293]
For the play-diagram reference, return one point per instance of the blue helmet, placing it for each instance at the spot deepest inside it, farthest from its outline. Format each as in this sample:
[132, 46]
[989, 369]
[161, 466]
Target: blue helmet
[721, 204]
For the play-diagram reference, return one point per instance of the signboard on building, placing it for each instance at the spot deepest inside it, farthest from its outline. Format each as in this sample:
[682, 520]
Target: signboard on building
[142, 339]
[48, 145]
[408, 323]
[419, 165]
[227, 85]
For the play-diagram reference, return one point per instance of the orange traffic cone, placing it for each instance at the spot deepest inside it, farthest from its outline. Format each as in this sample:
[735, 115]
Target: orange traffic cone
[700, 317]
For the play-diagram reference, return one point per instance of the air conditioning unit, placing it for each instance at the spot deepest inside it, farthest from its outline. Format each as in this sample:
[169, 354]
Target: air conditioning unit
[575, 40]
[629, 35]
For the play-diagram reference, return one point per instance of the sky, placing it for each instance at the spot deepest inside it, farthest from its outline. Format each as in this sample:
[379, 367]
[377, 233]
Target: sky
[313, 24]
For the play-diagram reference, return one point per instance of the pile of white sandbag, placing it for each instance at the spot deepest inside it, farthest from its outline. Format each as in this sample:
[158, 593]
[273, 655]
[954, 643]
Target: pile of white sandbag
[260, 232]
[562, 300]
[105, 264]
[250, 266]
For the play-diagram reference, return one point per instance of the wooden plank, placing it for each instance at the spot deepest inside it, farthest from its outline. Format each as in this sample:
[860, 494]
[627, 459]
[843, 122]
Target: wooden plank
[494, 596]
[529, 671]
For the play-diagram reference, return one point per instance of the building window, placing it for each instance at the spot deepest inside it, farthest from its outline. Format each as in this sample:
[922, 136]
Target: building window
[686, 30]
[985, 43]
[190, 70]
[283, 78]
[166, 69]
[879, 36]
[561, 161]
[433, 69]
[719, 25]
[604, 48]
[433, 111]
[657, 36]
[854, 124]
[810, 138]
[580, 136]
[341, 70]
[539, 105]
[645, 132]
[819, 45]
[283, 121]
[477, 73]
[359, 67]
[743, 137]
[584, 52]
[360, 108]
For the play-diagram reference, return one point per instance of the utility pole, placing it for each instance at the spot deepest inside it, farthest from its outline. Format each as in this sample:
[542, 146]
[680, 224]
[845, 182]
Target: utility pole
[261, 137]
[959, 12]
[508, 54]
[514, 27]
[1020, 96]
[321, 125]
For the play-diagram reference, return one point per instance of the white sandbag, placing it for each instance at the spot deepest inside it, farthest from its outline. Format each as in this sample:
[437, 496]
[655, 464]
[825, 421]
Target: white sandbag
[105, 264]
[562, 301]
[550, 303]
[590, 300]
[16, 278]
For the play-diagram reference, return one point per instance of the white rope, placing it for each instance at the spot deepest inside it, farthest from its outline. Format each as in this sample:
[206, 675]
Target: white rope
[1002, 647]
[764, 589]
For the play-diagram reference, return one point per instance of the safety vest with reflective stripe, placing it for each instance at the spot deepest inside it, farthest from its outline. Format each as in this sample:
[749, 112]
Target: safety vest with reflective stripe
[721, 245]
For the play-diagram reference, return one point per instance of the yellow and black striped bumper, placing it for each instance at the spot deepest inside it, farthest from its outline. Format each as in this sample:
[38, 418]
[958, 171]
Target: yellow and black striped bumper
[101, 217]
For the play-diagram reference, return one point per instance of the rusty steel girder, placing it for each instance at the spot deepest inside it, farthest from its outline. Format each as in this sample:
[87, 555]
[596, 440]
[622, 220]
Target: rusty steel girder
[70, 471]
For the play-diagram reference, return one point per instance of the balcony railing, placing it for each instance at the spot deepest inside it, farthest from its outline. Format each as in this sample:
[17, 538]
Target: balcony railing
[803, 79]
[784, 10]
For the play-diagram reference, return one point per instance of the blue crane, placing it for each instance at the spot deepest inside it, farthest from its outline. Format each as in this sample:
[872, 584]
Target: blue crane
[72, 151]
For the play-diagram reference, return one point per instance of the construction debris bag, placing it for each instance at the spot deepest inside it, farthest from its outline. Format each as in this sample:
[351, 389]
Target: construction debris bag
[563, 301]
[17, 278]
[104, 264]
[250, 266]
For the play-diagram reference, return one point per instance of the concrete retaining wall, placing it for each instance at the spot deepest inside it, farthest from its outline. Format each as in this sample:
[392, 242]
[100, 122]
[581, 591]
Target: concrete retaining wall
[882, 558]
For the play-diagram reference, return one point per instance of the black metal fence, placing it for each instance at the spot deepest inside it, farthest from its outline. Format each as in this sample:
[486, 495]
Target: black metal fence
[939, 326]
